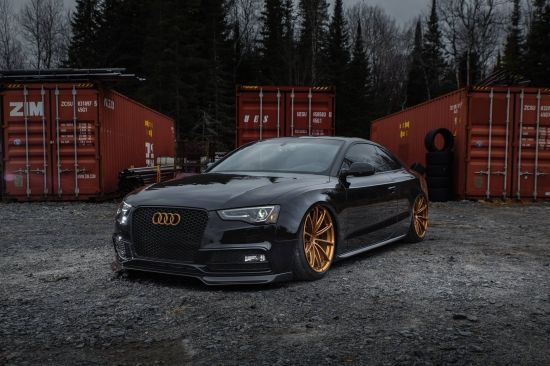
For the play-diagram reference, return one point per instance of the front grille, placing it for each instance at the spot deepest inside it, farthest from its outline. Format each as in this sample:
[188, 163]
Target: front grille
[179, 243]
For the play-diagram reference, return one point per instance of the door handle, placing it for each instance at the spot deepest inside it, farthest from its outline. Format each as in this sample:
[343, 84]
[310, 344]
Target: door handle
[392, 188]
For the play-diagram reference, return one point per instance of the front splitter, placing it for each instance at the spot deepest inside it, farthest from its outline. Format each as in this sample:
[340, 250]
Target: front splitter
[208, 278]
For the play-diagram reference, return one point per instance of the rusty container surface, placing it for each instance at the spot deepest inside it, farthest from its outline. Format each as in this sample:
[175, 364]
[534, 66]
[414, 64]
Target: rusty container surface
[284, 111]
[70, 141]
[501, 139]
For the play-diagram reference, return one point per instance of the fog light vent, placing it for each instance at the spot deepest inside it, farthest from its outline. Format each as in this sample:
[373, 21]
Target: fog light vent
[255, 258]
[121, 247]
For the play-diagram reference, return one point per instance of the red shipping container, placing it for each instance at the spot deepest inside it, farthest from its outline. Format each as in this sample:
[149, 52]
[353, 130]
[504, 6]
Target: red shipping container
[284, 111]
[502, 142]
[70, 141]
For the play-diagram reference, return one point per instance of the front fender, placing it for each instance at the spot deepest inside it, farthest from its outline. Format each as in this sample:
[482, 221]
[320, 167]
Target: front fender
[294, 209]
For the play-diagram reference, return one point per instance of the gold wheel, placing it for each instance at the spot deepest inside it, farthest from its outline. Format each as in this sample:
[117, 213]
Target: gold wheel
[420, 216]
[319, 239]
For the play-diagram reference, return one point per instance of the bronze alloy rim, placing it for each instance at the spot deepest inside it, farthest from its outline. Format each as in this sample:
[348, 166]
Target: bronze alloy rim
[319, 239]
[420, 216]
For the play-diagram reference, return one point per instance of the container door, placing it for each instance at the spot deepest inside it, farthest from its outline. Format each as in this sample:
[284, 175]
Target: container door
[256, 106]
[26, 143]
[75, 145]
[489, 158]
[532, 146]
[309, 113]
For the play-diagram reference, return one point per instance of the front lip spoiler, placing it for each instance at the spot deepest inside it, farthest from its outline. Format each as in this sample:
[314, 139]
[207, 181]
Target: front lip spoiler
[208, 278]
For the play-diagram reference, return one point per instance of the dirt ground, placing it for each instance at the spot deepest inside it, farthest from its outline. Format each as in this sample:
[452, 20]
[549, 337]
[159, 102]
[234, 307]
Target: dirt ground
[476, 291]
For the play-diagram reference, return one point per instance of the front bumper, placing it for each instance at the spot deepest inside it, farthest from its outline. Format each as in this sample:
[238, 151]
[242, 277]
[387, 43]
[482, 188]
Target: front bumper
[220, 258]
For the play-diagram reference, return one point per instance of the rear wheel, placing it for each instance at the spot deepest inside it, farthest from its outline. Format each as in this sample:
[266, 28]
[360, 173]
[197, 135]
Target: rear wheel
[419, 220]
[314, 253]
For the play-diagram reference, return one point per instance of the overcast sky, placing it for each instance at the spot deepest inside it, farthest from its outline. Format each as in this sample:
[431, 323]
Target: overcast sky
[402, 10]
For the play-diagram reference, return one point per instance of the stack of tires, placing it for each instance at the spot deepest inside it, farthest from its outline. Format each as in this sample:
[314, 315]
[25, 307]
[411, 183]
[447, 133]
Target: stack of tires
[439, 169]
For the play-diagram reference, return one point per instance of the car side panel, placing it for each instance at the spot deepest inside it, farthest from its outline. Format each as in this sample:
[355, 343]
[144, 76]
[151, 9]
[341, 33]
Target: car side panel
[370, 212]
[407, 188]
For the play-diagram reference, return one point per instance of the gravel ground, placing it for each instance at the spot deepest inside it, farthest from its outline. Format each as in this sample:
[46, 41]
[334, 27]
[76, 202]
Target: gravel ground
[476, 291]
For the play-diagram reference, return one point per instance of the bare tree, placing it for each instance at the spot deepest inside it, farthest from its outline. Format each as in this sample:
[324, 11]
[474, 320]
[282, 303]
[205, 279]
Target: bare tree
[387, 46]
[244, 18]
[11, 51]
[45, 28]
[473, 31]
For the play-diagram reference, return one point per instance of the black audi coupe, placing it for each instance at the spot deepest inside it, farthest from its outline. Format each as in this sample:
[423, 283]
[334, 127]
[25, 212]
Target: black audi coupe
[271, 211]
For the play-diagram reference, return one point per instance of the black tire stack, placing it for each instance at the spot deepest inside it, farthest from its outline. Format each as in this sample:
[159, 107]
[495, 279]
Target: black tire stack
[439, 169]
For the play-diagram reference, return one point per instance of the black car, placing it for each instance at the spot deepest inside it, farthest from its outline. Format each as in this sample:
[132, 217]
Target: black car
[273, 210]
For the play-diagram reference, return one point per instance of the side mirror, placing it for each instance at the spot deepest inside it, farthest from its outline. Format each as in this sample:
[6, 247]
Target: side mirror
[358, 170]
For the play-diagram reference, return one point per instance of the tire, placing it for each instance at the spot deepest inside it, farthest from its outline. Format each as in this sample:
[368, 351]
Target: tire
[439, 194]
[439, 182]
[309, 263]
[419, 168]
[439, 158]
[434, 171]
[429, 140]
[419, 220]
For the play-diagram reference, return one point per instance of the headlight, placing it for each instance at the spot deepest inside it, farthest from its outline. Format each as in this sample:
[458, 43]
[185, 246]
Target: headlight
[253, 215]
[123, 213]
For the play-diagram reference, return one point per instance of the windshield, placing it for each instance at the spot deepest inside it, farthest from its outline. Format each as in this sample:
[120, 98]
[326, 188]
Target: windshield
[309, 156]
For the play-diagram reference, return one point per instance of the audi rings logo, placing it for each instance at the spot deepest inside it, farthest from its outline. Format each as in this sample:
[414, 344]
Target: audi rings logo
[166, 219]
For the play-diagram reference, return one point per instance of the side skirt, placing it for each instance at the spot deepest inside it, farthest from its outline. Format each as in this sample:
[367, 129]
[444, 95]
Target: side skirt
[370, 247]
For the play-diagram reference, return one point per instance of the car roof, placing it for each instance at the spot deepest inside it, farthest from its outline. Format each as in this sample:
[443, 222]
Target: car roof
[347, 140]
[337, 138]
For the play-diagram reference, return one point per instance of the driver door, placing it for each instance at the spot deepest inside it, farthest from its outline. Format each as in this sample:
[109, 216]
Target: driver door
[371, 206]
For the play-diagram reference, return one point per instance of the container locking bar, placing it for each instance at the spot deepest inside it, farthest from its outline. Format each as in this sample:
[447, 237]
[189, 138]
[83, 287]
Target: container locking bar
[261, 95]
[44, 144]
[278, 113]
[26, 117]
[489, 155]
[537, 143]
[520, 145]
[76, 189]
[58, 144]
[309, 97]
[505, 182]
[292, 95]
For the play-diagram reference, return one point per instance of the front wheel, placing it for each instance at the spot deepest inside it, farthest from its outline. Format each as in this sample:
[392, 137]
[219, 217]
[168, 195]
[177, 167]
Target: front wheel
[419, 220]
[314, 253]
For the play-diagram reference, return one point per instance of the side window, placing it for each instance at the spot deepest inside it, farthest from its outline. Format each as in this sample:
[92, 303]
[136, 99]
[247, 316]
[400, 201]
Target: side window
[367, 153]
[386, 162]
[360, 153]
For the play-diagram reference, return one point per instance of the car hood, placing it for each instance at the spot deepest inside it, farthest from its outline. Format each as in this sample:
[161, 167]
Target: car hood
[214, 191]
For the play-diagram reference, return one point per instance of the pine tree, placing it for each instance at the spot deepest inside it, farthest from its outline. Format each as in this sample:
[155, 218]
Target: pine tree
[417, 89]
[289, 46]
[357, 92]
[338, 59]
[85, 25]
[512, 59]
[537, 58]
[272, 42]
[313, 32]
[214, 89]
[432, 55]
[337, 47]
[121, 36]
